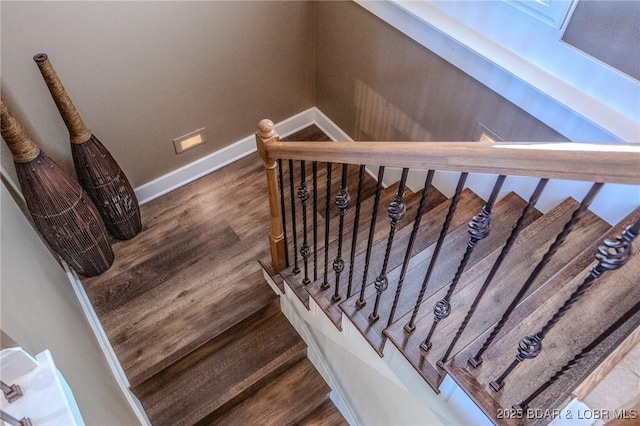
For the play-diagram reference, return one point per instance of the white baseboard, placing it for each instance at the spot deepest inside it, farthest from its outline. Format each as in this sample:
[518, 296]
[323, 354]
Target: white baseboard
[105, 345]
[237, 150]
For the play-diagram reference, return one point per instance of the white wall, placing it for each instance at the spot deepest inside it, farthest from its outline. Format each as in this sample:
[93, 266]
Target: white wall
[40, 311]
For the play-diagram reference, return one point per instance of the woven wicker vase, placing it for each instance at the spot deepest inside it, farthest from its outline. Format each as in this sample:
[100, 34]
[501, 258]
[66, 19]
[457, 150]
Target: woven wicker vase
[62, 212]
[97, 171]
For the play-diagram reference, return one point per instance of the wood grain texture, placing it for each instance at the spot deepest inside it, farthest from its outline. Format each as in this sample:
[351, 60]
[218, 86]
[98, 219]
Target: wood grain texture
[505, 214]
[325, 415]
[526, 252]
[225, 368]
[434, 211]
[183, 280]
[274, 404]
[620, 164]
[597, 310]
[185, 305]
[607, 365]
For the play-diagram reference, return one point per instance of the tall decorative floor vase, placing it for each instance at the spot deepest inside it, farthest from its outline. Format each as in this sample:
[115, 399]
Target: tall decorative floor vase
[97, 171]
[62, 212]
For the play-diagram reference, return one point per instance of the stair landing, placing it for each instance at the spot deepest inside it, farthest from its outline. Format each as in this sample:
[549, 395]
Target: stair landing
[197, 330]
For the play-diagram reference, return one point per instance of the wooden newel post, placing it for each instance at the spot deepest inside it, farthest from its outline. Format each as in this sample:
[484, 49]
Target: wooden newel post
[266, 134]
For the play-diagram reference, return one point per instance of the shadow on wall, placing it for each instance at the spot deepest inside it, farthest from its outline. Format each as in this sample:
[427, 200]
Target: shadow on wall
[378, 119]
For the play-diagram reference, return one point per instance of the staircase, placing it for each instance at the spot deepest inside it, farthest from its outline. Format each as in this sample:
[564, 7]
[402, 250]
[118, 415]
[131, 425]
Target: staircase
[199, 334]
[418, 270]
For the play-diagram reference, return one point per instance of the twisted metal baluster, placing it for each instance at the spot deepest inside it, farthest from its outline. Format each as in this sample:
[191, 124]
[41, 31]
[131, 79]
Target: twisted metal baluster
[296, 269]
[360, 303]
[494, 269]
[396, 210]
[284, 217]
[410, 326]
[356, 221]
[479, 228]
[325, 283]
[314, 171]
[412, 239]
[342, 201]
[476, 359]
[522, 405]
[613, 254]
[303, 195]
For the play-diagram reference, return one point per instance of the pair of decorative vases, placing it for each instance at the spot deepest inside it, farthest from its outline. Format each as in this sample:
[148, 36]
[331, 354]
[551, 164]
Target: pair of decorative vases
[73, 218]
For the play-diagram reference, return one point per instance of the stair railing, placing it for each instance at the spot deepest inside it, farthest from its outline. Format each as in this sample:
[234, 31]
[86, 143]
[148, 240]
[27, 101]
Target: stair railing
[598, 164]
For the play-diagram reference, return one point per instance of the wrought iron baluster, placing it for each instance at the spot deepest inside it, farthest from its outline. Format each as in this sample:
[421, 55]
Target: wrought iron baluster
[356, 222]
[314, 172]
[296, 269]
[494, 269]
[342, 201]
[522, 405]
[360, 303]
[6, 417]
[327, 211]
[479, 228]
[476, 359]
[410, 326]
[11, 392]
[303, 195]
[396, 210]
[613, 254]
[412, 238]
[284, 217]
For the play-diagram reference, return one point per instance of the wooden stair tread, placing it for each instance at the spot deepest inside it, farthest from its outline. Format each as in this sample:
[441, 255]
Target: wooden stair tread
[309, 133]
[386, 196]
[326, 414]
[295, 280]
[505, 214]
[276, 403]
[217, 374]
[188, 275]
[599, 307]
[528, 249]
[202, 308]
[434, 208]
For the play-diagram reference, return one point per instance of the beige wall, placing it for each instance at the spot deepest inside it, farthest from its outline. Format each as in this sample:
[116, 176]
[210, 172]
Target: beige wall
[40, 311]
[376, 83]
[143, 73]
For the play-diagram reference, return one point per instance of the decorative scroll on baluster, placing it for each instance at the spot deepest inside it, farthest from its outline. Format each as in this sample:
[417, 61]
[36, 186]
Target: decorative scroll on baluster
[282, 209]
[396, 210]
[303, 195]
[356, 222]
[296, 269]
[314, 175]
[494, 269]
[613, 254]
[522, 405]
[342, 201]
[476, 359]
[327, 210]
[360, 303]
[412, 239]
[410, 326]
[479, 228]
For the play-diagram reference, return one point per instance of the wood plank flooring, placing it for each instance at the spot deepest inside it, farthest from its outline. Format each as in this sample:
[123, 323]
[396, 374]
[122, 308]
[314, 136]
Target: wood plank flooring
[194, 325]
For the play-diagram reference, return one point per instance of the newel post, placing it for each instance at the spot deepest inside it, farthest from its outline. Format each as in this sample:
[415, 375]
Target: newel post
[266, 134]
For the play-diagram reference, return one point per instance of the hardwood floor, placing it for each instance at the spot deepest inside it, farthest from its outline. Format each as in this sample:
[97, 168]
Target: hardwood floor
[187, 310]
[201, 338]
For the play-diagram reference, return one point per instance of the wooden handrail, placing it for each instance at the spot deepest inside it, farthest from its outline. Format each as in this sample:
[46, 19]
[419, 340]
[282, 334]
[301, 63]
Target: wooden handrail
[572, 161]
